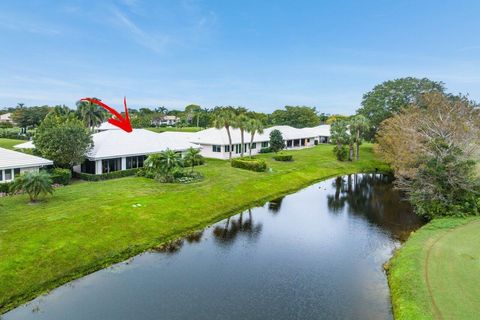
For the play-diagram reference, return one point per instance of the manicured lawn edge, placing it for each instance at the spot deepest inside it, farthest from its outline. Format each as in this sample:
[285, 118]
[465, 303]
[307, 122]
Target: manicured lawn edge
[137, 248]
[409, 291]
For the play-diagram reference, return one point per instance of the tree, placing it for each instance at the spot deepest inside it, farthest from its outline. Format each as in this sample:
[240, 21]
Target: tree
[298, 117]
[340, 137]
[389, 97]
[358, 127]
[62, 111]
[26, 117]
[276, 141]
[65, 140]
[225, 118]
[163, 164]
[193, 157]
[33, 183]
[193, 111]
[241, 122]
[433, 147]
[91, 114]
[253, 126]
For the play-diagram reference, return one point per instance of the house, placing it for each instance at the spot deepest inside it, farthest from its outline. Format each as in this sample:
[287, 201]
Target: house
[115, 150]
[214, 142]
[166, 120]
[13, 163]
[6, 118]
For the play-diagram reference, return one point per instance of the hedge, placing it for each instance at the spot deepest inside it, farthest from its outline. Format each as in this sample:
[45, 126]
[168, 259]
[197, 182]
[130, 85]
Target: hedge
[8, 134]
[5, 187]
[283, 157]
[106, 176]
[265, 150]
[257, 165]
[61, 176]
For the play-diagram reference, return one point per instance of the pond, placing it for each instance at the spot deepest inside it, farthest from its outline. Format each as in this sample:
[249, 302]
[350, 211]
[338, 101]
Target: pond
[314, 254]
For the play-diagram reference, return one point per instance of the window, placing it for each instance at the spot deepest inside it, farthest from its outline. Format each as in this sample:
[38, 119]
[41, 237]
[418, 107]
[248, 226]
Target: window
[296, 142]
[111, 165]
[227, 148]
[216, 148]
[88, 167]
[302, 142]
[308, 140]
[1, 175]
[254, 145]
[237, 148]
[8, 174]
[289, 143]
[134, 162]
[265, 144]
[16, 172]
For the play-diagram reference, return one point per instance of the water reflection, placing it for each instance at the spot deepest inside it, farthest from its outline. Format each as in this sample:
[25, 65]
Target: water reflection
[372, 196]
[275, 205]
[226, 233]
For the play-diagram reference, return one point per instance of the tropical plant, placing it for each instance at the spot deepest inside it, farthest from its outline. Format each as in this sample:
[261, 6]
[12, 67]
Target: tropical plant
[241, 122]
[193, 157]
[225, 118]
[163, 164]
[358, 125]
[91, 114]
[276, 141]
[34, 184]
[253, 126]
[340, 138]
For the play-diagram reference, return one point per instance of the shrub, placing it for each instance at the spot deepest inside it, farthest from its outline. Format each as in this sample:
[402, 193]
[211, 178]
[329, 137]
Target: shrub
[265, 150]
[105, 176]
[61, 176]
[14, 134]
[5, 187]
[283, 157]
[257, 165]
[341, 153]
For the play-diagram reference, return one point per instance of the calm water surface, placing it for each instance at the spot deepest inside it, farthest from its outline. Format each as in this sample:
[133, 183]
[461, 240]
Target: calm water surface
[315, 254]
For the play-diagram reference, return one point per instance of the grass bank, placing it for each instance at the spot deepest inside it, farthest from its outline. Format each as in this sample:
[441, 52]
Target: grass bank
[436, 274]
[90, 225]
[9, 143]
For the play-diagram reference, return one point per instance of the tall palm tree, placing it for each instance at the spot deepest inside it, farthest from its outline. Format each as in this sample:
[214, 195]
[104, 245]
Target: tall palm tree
[91, 114]
[241, 122]
[358, 126]
[193, 157]
[253, 126]
[225, 118]
[33, 183]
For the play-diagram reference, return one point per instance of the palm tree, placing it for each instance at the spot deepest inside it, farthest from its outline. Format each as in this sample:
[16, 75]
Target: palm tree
[358, 125]
[91, 114]
[253, 126]
[193, 157]
[164, 163]
[33, 183]
[241, 121]
[225, 118]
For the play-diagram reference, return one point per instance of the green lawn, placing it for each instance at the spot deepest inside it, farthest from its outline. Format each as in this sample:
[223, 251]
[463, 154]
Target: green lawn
[185, 129]
[89, 225]
[435, 275]
[9, 143]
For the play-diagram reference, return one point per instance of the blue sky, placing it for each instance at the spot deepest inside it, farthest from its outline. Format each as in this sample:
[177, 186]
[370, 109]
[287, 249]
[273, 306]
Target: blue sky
[258, 54]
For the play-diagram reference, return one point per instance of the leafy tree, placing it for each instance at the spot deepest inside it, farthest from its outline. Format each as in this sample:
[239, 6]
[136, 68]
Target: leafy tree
[253, 126]
[26, 117]
[241, 122]
[433, 147]
[193, 111]
[141, 121]
[298, 117]
[33, 183]
[276, 141]
[340, 138]
[91, 114]
[65, 140]
[336, 117]
[62, 111]
[163, 164]
[358, 127]
[193, 157]
[225, 118]
[389, 97]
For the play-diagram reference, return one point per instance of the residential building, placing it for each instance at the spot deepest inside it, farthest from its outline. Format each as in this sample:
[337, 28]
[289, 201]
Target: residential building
[115, 150]
[6, 118]
[166, 121]
[13, 163]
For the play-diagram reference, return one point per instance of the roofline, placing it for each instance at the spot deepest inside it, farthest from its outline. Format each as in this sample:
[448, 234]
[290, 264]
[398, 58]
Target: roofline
[134, 154]
[27, 166]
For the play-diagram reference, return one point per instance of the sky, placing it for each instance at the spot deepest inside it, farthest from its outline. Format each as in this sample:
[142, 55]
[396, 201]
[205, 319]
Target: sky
[262, 55]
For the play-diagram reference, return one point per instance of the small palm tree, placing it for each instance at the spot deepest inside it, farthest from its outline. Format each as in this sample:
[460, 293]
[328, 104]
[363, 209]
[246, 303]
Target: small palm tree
[164, 163]
[225, 118]
[193, 157]
[33, 183]
[241, 122]
[253, 126]
[91, 114]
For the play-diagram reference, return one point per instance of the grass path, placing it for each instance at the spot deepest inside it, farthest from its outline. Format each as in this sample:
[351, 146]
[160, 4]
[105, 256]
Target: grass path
[90, 225]
[436, 275]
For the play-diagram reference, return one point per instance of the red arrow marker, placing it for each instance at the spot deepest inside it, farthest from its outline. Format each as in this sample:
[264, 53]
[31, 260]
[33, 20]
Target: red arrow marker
[122, 123]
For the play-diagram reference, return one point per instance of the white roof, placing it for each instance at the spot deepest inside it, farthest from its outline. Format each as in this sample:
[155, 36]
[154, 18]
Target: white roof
[10, 159]
[107, 126]
[6, 117]
[118, 143]
[220, 137]
[25, 145]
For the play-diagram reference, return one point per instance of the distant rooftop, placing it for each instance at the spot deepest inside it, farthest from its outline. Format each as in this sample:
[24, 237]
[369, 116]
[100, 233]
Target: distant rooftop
[10, 159]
